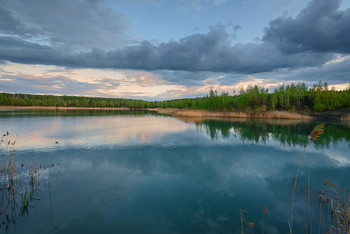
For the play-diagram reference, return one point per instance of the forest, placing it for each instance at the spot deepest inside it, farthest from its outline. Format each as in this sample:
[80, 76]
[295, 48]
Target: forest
[292, 97]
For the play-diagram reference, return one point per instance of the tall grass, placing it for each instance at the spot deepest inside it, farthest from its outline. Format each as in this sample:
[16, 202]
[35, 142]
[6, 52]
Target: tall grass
[337, 204]
[8, 180]
[18, 185]
[316, 132]
[8, 169]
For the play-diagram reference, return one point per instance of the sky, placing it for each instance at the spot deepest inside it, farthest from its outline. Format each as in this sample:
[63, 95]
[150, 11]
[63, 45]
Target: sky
[162, 49]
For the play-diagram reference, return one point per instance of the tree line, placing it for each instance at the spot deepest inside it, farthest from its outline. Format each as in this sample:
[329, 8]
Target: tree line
[293, 97]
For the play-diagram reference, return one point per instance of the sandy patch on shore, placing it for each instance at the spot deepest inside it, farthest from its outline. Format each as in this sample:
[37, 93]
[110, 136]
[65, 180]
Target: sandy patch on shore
[230, 114]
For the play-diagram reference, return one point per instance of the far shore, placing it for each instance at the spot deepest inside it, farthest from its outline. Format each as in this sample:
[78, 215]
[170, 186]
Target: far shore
[232, 114]
[195, 114]
[188, 113]
[63, 108]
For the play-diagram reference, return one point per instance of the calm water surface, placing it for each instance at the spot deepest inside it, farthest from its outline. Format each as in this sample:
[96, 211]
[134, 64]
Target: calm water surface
[138, 172]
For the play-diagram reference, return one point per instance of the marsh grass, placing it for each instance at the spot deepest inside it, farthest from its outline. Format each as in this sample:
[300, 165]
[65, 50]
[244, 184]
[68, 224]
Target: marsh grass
[19, 186]
[8, 180]
[334, 209]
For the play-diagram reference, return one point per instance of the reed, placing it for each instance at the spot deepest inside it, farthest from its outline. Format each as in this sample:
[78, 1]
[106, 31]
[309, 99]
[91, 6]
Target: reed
[17, 193]
[242, 219]
[316, 132]
[338, 205]
[32, 173]
[265, 212]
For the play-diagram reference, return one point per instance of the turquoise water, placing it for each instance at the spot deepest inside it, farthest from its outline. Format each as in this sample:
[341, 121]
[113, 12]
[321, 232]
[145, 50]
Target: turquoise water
[140, 172]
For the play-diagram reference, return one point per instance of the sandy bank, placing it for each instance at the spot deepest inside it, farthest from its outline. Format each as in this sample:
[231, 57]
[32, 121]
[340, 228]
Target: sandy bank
[346, 118]
[230, 114]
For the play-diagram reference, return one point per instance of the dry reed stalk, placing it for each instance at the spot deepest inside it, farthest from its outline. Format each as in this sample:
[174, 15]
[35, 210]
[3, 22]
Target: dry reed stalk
[338, 216]
[308, 201]
[321, 215]
[15, 171]
[242, 218]
[315, 133]
[265, 212]
[250, 225]
[38, 171]
[32, 173]
[318, 130]
[307, 206]
[312, 217]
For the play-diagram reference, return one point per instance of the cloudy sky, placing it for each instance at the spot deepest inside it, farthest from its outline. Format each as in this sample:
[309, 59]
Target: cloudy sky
[162, 49]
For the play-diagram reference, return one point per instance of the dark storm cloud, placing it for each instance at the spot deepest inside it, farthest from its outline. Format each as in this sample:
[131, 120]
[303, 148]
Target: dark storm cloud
[189, 79]
[9, 24]
[286, 43]
[321, 26]
[199, 52]
[334, 72]
[21, 51]
[210, 52]
[70, 24]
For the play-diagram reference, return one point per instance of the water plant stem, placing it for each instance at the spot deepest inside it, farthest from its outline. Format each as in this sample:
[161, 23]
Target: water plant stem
[295, 184]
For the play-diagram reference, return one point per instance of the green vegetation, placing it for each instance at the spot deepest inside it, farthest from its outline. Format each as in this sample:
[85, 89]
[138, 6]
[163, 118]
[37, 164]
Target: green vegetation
[76, 112]
[294, 97]
[289, 133]
[8, 99]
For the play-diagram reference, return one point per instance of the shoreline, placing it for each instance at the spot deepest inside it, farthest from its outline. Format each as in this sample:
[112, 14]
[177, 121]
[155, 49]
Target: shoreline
[202, 114]
[186, 113]
[63, 108]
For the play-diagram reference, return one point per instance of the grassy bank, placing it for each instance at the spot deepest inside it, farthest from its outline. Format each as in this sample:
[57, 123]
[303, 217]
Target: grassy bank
[232, 114]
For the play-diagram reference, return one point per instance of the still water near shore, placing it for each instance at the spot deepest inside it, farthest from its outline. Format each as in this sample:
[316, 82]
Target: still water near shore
[141, 172]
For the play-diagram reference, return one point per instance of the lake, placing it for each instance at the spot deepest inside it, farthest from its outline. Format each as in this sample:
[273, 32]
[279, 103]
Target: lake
[142, 172]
